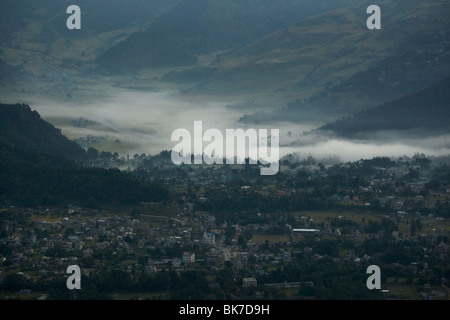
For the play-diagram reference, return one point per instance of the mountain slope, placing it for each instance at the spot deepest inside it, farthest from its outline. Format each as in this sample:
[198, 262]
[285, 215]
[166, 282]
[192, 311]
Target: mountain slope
[426, 112]
[48, 17]
[195, 27]
[34, 35]
[311, 57]
[411, 68]
[24, 129]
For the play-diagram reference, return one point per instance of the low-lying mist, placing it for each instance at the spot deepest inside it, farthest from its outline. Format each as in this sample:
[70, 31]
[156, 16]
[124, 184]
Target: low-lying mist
[320, 144]
[134, 122]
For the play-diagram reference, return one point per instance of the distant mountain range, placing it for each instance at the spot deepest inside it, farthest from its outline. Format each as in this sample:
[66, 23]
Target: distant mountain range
[423, 113]
[329, 65]
[410, 69]
[298, 60]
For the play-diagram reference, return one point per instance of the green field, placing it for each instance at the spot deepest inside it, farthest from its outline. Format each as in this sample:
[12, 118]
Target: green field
[272, 238]
[321, 216]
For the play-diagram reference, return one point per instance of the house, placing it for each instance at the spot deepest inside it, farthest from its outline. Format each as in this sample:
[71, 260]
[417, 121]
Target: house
[87, 252]
[188, 257]
[209, 238]
[150, 269]
[249, 282]
[306, 232]
[398, 205]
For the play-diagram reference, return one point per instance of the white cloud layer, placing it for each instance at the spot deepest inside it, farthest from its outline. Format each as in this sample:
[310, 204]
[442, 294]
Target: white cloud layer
[144, 121]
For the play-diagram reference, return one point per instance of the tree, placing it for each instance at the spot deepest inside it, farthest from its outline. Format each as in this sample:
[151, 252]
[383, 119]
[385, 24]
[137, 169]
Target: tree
[14, 282]
[327, 247]
[92, 153]
[242, 241]
[412, 228]
[419, 224]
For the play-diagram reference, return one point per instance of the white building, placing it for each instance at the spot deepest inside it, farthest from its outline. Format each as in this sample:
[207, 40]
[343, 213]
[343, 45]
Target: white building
[306, 232]
[188, 257]
[209, 238]
[249, 282]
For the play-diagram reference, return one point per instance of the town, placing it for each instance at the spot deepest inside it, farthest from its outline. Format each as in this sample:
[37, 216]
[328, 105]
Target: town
[309, 232]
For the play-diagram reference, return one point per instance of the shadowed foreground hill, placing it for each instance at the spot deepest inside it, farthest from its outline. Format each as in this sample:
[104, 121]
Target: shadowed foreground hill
[36, 168]
[30, 179]
[22, 128]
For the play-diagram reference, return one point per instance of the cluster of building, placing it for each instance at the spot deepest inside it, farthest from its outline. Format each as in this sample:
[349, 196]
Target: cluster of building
[39, 242]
